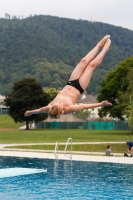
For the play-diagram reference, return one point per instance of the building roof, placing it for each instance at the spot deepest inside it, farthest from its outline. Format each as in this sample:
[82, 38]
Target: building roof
[66, 118]
[2, 106]
[87, 98]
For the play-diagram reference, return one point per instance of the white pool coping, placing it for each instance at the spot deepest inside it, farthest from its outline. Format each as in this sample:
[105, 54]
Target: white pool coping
[90, 158]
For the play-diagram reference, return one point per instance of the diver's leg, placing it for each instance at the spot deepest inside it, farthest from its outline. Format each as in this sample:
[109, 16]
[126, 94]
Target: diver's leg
[86, 76]
[79, 69]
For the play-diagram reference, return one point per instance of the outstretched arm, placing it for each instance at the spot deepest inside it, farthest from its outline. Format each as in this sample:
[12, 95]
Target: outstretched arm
[37, 111]
[87, 106]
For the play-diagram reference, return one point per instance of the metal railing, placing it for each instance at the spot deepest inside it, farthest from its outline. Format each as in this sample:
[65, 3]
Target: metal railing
[56, 150]
[70, 156]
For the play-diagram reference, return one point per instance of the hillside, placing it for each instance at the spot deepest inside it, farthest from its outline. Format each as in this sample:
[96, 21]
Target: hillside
[48, 48]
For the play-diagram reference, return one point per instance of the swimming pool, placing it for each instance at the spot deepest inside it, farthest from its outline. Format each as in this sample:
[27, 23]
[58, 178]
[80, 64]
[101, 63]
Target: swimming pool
[67, 180]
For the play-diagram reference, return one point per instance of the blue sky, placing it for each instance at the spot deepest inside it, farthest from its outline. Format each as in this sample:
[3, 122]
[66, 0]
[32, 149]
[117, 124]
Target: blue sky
[116, 12]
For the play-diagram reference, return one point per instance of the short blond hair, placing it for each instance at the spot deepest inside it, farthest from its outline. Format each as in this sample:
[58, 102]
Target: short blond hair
[54, 112]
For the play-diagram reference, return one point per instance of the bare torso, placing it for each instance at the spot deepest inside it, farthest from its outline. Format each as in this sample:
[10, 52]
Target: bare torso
[68, 96]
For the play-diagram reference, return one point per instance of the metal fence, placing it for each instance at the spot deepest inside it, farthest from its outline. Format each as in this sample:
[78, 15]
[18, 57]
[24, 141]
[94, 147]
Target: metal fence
[91, 125]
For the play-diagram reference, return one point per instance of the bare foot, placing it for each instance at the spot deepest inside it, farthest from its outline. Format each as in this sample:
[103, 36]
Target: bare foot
[107, 44]
[103, 41]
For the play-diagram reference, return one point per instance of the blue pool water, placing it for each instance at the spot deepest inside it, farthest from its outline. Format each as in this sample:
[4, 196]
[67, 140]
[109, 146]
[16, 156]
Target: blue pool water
[67, 180]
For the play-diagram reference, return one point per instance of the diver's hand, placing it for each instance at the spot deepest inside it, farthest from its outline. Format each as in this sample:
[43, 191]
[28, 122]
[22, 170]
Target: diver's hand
[27, 113]
[106, 103]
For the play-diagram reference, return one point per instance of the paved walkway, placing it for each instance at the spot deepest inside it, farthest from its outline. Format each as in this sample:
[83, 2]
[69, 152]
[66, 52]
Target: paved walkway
[110, 159]
[53, 143]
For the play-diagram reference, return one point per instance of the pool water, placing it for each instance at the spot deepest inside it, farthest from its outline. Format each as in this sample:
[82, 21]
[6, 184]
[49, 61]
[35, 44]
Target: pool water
[67, 180]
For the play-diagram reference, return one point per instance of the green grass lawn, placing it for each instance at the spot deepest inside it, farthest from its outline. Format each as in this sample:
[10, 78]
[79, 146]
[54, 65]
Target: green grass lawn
[7, 122]
[116, 148]
[61, 135]
[14, 135]
[78, 135]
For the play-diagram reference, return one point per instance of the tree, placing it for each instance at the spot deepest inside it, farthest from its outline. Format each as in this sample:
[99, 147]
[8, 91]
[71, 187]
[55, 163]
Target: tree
[124, 95]
[27, 94]
[117, 87]
[52, 92]
[129, 112]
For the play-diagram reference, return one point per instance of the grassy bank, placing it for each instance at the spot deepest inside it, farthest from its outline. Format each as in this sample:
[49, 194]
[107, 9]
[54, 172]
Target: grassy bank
[116, 148]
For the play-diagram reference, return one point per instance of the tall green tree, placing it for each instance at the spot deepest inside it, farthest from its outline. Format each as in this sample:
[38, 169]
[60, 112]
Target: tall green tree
[125, 95]
[117, 87]
[129, 112]
[27, 94]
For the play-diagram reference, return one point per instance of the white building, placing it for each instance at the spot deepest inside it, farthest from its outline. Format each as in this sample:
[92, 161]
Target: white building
[3, 109]
[2, 98]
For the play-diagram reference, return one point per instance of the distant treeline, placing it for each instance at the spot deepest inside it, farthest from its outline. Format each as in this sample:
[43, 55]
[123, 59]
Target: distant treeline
[48, 48]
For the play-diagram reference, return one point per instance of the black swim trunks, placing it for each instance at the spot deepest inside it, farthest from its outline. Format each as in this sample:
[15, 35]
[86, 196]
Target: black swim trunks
[76, 84]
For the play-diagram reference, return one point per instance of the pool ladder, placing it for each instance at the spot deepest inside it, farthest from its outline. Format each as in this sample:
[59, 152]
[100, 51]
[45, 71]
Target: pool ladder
[56, 150]
[70, 156]
[65, 150]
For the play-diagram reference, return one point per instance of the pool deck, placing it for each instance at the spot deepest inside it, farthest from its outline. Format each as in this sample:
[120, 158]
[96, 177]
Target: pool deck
[79, 156]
